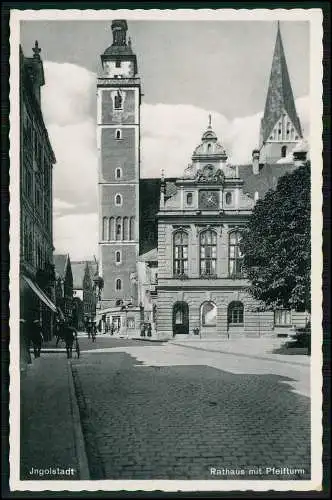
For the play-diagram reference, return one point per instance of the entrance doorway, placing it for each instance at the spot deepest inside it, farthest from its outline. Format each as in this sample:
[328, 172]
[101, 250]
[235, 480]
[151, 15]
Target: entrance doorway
[180, 318]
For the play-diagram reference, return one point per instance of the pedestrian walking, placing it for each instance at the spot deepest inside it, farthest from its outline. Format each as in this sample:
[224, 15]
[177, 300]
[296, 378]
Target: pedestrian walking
[149, 330]
[93, 332]
[35, 336]
[25, 342]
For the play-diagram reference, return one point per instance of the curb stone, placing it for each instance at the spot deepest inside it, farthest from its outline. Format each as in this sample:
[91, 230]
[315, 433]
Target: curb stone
[84, 473]
[253, 356]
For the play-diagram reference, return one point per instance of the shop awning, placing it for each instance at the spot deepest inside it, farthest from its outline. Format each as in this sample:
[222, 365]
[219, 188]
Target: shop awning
[40, 294]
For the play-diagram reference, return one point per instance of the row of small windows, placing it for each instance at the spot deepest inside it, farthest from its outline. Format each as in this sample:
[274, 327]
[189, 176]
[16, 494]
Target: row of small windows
[208, 313]
[207, 253]
[118, 228]
[283, 130]
[235, 314]
[228, 198]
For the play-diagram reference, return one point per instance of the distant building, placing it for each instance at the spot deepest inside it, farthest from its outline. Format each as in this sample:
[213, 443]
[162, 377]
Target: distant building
[64, 285]
[37, 278]
[84, 292]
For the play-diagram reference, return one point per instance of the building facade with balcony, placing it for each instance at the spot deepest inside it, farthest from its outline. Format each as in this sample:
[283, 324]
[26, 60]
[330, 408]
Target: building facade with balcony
[37, 280]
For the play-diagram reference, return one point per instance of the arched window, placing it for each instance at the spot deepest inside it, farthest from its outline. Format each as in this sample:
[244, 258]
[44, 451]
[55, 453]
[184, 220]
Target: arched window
[125, 228]
[105, 229]
[209, 148]
[118, 134]
[118, 173]
[189, 198]
[283, 151]
[118, 257]
[118, 200]
[118, 284]
[235, 255]
[111, 229]
[180, 253]
[208, 314]
[235, 313]
[208, 252]
[132, 228]
[118, 229]
[228, 198]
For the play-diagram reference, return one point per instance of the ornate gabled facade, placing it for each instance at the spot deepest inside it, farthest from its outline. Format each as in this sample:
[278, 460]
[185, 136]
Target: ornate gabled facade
[280, 126]
[201, 286]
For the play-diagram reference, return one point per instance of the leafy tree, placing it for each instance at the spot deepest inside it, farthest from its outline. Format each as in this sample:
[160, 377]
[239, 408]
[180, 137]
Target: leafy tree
[276, 244]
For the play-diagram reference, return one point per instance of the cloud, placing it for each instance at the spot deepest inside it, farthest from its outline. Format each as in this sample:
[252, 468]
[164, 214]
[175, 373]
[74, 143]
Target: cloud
[68, 93]
[170, 134]
[76, 234]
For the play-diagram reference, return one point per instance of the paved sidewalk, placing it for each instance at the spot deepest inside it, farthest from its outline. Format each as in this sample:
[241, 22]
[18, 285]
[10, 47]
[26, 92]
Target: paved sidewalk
[51, 438]
[260, 348]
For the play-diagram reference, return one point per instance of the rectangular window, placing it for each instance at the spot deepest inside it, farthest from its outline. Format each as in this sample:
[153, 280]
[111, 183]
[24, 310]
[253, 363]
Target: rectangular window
[282, 317]
[118, 64]
[235, 256]
[180, 249]
[208, 253]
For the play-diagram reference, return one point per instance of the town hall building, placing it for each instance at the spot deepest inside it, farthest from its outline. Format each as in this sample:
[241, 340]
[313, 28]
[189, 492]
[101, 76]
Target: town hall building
[169, 249]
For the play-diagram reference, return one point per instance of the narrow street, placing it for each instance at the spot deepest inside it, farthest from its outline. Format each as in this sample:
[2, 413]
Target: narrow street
[170, 412]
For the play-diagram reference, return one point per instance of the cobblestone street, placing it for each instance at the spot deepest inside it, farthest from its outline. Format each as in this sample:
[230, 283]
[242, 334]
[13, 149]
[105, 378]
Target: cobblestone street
[164, 412]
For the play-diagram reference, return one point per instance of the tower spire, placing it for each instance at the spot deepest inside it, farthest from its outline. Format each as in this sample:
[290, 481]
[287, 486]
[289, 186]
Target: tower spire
[279, 103]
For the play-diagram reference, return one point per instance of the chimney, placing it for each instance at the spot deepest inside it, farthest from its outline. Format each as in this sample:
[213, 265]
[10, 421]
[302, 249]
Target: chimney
[255, 161]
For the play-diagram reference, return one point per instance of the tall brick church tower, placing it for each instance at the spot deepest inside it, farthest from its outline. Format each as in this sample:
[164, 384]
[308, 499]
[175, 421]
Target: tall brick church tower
[118, 140]
[280, 126]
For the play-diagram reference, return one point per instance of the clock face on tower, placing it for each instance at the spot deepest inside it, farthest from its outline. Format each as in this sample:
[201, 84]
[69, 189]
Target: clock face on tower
[209, 199]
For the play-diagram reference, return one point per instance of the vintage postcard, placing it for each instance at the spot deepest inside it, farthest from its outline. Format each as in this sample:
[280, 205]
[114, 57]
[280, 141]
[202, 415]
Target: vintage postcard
[165, 249]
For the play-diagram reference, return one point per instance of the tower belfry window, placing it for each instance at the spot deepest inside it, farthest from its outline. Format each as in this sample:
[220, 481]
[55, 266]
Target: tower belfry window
[118, 101]
[118, 64]
[283, 151]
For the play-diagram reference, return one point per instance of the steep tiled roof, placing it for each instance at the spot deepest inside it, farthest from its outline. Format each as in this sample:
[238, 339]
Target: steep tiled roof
[60, 261]
[152, 255]
[265, 180]
[279, 95]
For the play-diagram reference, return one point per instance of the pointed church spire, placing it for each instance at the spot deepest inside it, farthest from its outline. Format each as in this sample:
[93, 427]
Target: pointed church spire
[280, 99]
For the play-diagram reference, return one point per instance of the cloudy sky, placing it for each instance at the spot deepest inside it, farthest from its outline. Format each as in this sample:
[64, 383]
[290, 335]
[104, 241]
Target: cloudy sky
[188, 70]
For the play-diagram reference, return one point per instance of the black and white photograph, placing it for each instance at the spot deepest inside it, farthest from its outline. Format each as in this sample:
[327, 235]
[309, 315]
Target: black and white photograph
[166, 250]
